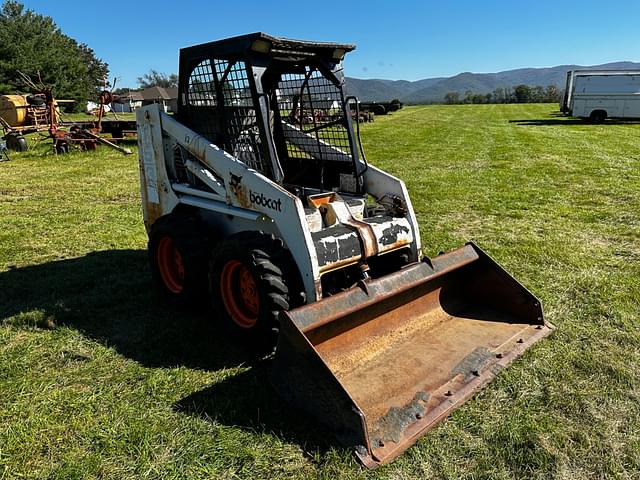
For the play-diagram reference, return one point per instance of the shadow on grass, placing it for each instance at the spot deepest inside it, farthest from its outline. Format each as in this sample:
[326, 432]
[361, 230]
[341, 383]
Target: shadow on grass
[248, 401]
[108, 297]
[571, 121]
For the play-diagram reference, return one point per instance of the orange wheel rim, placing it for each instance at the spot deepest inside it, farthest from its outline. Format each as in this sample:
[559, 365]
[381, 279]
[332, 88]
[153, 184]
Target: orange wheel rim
[170, 265]
[240, 294]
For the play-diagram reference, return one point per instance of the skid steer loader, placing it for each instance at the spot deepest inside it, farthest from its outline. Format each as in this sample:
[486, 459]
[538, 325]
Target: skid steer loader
[257, 195]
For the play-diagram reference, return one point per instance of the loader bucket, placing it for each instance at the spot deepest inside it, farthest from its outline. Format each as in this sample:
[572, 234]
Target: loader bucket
[383, 363]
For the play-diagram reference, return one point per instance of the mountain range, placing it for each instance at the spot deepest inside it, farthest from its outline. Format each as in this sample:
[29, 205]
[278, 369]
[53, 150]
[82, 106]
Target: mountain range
[431, 90]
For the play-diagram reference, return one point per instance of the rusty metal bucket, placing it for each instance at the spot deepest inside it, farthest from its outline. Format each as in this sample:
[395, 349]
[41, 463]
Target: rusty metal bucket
[382, 364]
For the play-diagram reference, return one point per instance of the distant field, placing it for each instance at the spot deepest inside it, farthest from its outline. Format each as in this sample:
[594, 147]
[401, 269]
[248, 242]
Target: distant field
[98, 380]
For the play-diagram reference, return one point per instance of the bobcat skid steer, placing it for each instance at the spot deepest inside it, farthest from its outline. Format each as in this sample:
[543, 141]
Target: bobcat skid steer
[257, 197]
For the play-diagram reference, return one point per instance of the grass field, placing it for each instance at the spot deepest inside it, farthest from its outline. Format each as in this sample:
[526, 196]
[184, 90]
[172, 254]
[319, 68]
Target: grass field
[99, 380]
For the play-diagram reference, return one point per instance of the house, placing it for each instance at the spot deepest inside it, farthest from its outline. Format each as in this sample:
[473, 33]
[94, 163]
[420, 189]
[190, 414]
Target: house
[167, 97]
[129, 102]
[135, 99]
[126, 102]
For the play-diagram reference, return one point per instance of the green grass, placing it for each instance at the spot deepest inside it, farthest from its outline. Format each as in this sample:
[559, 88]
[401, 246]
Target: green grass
[85, 117]
[99, 380]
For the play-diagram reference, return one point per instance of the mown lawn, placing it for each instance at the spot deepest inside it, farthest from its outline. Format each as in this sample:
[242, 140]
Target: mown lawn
[99, 380]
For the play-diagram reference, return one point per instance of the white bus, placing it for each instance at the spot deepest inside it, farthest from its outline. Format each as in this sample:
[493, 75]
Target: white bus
[600, 94]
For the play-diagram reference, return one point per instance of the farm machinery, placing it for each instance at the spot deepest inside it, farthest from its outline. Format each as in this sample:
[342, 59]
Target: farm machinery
[257, 197]
[24, 114]
[39, 112]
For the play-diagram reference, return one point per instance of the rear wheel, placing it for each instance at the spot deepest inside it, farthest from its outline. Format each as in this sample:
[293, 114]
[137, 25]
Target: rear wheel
[249, 287]
[170, 264]
[178, 252]
[598, 116]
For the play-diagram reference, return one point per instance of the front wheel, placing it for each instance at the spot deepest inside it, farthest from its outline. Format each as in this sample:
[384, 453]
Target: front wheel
[249, 288]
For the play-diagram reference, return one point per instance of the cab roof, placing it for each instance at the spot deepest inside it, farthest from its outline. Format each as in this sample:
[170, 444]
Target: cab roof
[260, 43]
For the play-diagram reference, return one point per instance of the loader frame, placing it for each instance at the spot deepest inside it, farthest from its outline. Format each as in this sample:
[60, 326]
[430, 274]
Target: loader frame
[236, 197]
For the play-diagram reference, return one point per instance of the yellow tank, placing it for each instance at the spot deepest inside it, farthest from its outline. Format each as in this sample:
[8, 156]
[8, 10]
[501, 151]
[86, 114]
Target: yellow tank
[13, 109]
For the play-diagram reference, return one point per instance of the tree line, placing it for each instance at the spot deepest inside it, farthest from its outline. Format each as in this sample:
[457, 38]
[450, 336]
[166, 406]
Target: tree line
[152, 78]
[34, 45]
[518, 94]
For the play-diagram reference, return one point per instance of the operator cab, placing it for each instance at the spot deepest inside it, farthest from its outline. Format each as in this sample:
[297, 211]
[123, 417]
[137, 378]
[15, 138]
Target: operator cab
[278, 105]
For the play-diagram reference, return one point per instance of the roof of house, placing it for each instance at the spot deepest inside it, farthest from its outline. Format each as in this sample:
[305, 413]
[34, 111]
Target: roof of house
[135, 96]
[151, 93]
[159, 93]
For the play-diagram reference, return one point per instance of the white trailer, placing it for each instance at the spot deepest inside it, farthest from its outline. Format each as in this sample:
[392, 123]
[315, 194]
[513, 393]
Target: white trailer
[600, 94]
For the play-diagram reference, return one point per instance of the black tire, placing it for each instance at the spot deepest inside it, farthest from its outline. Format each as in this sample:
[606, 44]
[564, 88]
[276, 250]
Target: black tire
[16, 142]
[184, 286]
[598, 116]
[62, 148]
[379, 110]
[36, 100]
[265, 259]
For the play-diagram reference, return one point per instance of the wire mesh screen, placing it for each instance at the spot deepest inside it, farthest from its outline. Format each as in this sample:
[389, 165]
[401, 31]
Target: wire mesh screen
[243, 134]
[202, 89]
[311, 109]
[202, 103]
[222, 107]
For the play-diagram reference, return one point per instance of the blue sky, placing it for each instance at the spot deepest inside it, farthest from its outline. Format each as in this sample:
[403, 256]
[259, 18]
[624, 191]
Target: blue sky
[396, 39]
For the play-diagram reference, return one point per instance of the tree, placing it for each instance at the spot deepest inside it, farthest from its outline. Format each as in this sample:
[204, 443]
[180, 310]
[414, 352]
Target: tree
[121, 91]
[153, 78]
[509, 95]
[519, 94]
[35, 45]
[551, 94]
[468, 96]
[452, 97]
[537, 94]
[522, 93]
[499, 95]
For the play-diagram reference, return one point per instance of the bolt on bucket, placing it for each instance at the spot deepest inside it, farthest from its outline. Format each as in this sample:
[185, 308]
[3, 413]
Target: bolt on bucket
[383, 363]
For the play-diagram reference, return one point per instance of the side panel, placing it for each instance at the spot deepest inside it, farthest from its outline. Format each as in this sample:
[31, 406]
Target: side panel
[379, 183]
[619, 106]
[158, 198]
[608, 84]
[632, 107]
[578, 107]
